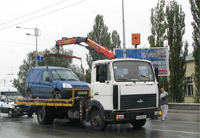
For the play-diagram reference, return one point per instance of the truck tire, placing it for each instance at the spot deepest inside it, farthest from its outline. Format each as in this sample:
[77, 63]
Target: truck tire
[43, 118]
[138, 123]
[96, 121]
[10, 113]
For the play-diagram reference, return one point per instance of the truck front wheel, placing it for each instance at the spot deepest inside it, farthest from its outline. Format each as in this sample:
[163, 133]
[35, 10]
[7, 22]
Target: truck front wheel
[138, 123]
[97, 122]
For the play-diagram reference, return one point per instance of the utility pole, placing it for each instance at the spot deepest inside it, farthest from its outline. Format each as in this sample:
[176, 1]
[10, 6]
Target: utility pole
[36, 34]
[123, 22]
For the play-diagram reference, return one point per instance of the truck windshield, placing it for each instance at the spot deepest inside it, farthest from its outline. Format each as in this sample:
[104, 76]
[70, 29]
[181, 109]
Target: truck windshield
[64, 75]
[133, 71]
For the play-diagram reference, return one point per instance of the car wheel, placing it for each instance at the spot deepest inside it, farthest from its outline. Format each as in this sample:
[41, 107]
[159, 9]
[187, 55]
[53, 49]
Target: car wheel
[97, 122]
[57, 95]
[10, 113]
[29, 95]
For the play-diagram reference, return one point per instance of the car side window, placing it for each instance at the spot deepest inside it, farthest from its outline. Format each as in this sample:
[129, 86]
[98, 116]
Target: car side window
[45, 75]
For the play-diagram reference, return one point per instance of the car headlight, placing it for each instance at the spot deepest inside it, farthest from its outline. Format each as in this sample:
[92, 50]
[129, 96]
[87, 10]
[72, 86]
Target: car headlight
[66, 85]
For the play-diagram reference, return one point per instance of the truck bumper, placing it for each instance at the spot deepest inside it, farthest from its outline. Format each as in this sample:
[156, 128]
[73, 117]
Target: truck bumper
[129, 116]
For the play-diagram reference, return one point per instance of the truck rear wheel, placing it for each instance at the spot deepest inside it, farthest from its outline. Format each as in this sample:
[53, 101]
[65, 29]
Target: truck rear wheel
[138, 123]
[43, 117]
[97, 122]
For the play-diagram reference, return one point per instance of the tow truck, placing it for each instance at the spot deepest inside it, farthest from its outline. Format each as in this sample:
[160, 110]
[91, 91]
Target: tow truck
[122, 90]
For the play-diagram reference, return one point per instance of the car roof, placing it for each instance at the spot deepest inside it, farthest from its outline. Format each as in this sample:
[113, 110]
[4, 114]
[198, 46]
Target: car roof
[49, 67]
[13, 94]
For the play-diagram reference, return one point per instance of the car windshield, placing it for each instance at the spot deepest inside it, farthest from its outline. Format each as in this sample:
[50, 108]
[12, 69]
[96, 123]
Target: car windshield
[64, 75]
[12, 98]
[133, 71]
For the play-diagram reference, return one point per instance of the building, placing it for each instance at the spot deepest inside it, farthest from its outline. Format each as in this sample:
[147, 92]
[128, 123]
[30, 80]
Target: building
[190, 84]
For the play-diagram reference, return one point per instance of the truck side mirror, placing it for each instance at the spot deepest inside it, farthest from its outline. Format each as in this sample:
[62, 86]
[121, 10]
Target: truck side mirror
[156, 72]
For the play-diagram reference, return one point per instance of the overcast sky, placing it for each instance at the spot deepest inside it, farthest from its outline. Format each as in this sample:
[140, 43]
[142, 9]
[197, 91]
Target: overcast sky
[68, 18]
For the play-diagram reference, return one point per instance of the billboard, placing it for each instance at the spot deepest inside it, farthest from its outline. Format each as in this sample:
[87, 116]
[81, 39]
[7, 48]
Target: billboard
[157, 55]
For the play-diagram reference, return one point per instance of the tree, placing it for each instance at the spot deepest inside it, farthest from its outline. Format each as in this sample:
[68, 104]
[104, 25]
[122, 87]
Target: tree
[158, 33]
[20, 82]
[158, 25]
[100, 35]
[175, 31]
[195, 9]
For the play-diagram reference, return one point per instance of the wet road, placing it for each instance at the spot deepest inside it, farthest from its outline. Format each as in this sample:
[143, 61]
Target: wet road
[178, 125]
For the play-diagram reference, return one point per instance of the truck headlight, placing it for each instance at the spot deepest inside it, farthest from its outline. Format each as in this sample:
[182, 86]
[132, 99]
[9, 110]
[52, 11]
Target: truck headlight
[66, 85]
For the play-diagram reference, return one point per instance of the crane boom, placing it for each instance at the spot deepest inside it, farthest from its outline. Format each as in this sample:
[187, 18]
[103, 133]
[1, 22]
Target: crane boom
[91, 45]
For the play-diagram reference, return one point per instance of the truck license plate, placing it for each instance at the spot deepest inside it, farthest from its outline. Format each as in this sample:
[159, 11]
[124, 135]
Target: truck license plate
[139, 117]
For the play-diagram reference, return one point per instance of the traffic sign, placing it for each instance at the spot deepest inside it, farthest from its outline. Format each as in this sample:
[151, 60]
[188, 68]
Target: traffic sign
[40, 58]
[135, 39]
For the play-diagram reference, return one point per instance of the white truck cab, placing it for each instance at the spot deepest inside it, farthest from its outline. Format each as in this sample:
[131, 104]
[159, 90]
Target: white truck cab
[123, 90]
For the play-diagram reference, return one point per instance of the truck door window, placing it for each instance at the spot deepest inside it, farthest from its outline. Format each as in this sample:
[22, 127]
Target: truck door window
[102, 73]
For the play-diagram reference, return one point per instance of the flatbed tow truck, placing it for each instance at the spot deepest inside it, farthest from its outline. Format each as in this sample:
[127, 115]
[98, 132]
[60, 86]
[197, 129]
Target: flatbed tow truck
[114, 95]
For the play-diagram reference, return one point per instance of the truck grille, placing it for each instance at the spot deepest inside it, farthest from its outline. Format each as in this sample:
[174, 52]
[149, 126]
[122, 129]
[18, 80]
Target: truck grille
[138, 101]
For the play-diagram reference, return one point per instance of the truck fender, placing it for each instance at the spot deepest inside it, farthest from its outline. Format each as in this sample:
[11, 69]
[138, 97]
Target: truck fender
[92, 106]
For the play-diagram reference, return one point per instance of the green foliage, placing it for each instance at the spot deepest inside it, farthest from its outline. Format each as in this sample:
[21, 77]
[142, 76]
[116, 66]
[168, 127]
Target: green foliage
[195, 9]
[158, 25]
[175, 31]
[23, 69]
[100, 35]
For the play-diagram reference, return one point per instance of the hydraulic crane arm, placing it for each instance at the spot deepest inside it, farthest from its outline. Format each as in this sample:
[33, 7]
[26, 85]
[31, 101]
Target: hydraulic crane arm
[91, 45]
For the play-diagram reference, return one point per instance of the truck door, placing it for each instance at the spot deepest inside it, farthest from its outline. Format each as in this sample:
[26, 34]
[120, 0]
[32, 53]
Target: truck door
[103, 86]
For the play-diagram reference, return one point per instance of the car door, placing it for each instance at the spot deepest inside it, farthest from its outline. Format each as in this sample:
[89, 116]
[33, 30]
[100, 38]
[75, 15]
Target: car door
[4, 104]
[45, 85]
[33, 82]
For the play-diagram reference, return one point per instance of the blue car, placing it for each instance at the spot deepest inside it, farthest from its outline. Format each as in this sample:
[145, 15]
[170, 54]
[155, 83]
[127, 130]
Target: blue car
[54, 82]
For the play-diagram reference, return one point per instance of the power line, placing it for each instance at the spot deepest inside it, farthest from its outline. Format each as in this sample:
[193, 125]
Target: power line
[21, 43]
[43, 15]
[32, 13]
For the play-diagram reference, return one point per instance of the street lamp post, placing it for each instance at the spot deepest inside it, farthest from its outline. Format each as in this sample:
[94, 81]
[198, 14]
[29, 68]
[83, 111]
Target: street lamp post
[123, 22]
[36, 34]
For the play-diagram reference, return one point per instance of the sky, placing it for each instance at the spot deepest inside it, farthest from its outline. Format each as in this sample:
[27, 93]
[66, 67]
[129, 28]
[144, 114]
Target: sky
[69, 18]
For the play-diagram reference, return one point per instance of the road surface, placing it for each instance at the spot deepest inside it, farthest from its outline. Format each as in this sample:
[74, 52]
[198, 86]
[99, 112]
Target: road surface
[183, 124]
